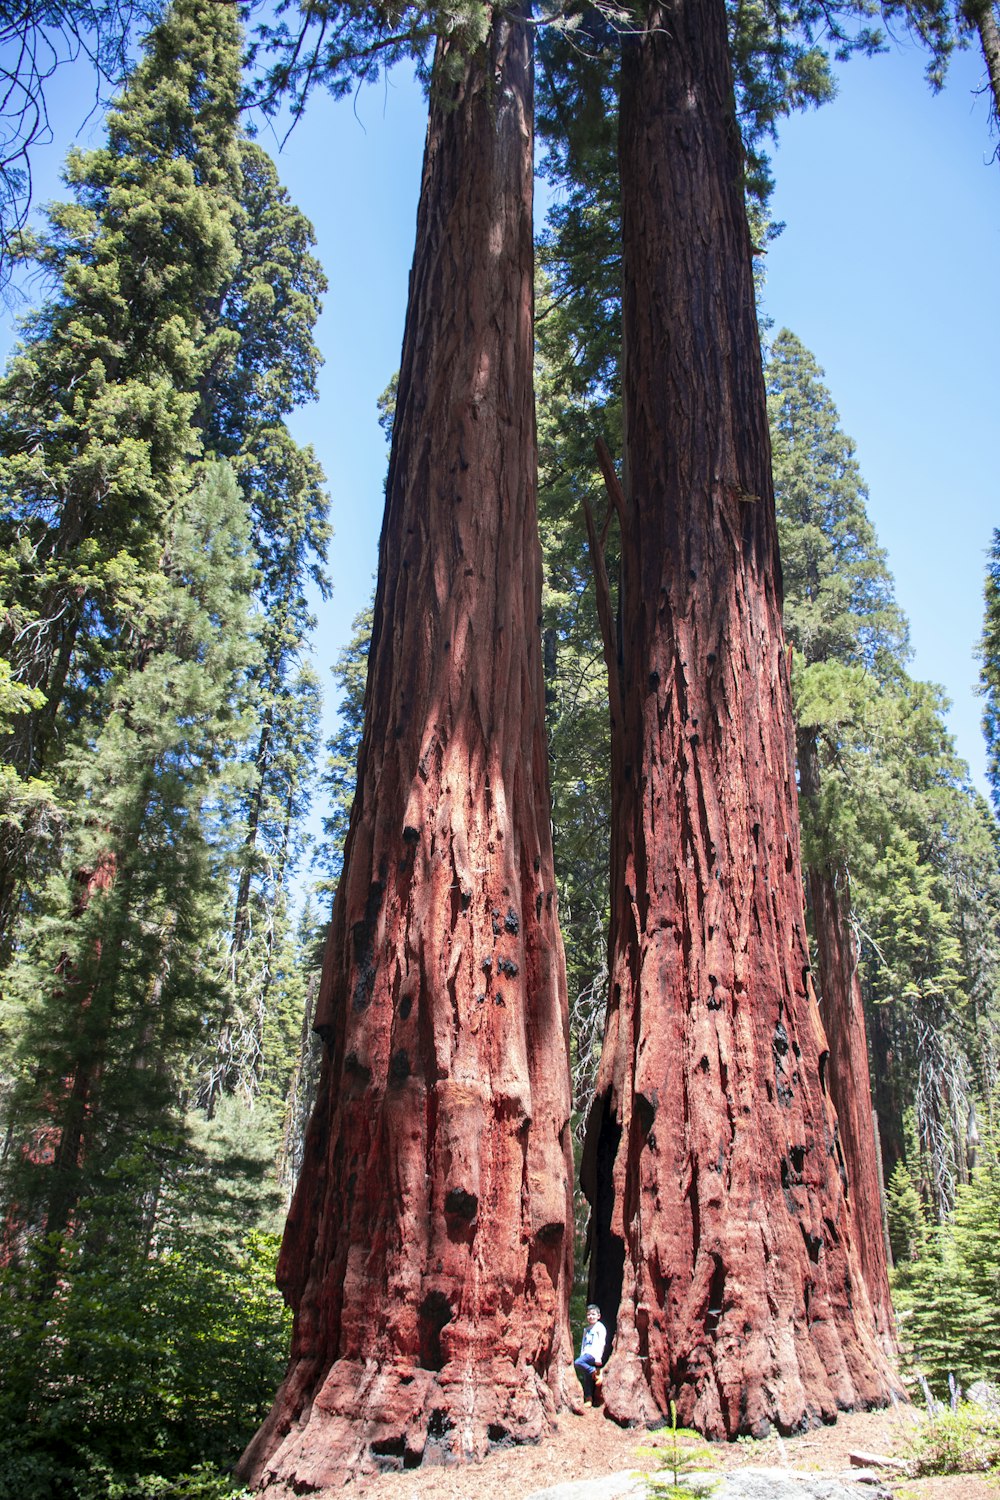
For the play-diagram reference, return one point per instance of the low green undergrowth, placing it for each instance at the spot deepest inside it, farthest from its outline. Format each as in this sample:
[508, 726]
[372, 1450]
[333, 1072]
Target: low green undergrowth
[679, 1457]
[966, 1441]
[141, 1378]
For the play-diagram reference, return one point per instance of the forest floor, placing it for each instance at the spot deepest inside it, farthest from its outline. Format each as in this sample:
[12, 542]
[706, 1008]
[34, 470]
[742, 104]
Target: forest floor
[589, 1446]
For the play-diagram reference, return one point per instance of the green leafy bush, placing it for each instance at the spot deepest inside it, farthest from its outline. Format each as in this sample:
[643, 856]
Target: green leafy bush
[966, 1441]
[140, 1376]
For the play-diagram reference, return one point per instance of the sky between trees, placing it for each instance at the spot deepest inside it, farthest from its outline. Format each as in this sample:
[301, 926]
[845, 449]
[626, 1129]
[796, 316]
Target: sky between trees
[887, 271]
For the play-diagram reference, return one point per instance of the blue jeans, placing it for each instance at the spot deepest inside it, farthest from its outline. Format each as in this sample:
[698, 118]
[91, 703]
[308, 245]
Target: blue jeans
[585, 1367]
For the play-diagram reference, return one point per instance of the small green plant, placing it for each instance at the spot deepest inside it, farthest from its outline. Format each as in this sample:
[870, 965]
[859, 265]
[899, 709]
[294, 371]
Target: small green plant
[679, 1458]
[966, 1441]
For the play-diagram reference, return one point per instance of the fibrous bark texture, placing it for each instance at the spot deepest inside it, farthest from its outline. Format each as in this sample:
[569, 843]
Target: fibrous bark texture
[723, 1246]
[848, 1073]
[428, 1250]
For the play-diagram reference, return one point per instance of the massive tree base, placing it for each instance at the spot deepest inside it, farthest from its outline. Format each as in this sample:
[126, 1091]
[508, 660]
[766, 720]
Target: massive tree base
[367, 1419]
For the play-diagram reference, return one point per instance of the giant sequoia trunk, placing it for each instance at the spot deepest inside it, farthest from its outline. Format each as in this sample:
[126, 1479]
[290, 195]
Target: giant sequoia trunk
[849, 1074]
[723, 1246]
[427, 1253]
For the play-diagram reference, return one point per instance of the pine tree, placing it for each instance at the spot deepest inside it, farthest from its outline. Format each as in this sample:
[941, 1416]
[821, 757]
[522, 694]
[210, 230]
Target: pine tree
[948, 1296]
[132, 613]
[117, 981]
[839, 603]
[907, 1226]
[97, 410]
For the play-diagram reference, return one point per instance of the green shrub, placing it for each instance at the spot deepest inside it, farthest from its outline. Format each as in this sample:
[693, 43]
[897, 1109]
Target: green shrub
[966, 1441]
[140, 1376]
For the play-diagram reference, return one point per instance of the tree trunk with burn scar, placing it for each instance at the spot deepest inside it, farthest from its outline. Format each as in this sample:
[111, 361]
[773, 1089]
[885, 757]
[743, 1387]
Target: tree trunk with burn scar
[428, 1249]
[849, 1075]
[724, 1252]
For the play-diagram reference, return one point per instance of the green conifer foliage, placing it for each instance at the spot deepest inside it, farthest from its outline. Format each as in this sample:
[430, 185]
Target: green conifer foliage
[118, 974]
[891, 807]
[948, 1298]
[907, 1225]
[839, 602]
[97, 409]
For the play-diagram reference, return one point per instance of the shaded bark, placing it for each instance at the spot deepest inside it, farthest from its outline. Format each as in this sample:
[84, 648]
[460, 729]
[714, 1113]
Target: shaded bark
[428, 1249]
[723, 1245]
[848, 1075]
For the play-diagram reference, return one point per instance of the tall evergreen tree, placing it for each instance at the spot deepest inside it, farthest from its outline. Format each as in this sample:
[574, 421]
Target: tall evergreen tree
[133, 614]
[117, 975]
[98, 409]
[838, 609]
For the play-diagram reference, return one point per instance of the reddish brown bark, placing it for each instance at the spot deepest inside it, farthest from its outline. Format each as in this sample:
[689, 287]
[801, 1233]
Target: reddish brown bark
[723, 1246]
[428, 1249]
[848, 1074]
[57, 1147]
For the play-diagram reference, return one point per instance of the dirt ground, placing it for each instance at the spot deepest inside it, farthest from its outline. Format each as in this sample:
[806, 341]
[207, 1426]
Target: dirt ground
[587, 1446]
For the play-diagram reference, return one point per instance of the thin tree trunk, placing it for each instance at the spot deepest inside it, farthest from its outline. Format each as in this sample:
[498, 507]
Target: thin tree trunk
[428, 1250]
[885, 1073]
[241, 922]
[982, 15]
[723, 1248]
[849, 1074]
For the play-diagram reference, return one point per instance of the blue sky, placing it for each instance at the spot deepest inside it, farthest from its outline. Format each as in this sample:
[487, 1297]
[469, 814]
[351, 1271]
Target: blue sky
[887, 270]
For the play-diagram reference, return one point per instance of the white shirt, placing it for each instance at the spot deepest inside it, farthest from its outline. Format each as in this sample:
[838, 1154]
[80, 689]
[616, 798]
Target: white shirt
[594, 1339]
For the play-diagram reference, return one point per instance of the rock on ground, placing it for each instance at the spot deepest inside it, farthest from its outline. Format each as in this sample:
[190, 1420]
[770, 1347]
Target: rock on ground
[744, 1484]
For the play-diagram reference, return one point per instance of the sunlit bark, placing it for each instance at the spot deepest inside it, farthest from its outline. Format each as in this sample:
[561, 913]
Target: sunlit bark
[723, 1246]
[428, 1249]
